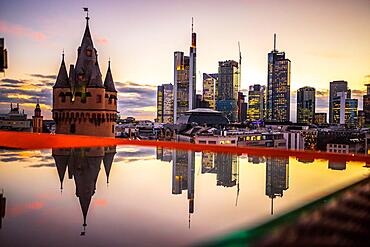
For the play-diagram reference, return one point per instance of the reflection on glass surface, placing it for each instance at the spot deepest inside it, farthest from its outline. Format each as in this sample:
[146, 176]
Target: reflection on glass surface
[172, 197]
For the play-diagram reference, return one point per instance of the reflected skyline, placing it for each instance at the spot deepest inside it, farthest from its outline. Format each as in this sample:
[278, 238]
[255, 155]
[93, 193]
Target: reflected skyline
[199, 193]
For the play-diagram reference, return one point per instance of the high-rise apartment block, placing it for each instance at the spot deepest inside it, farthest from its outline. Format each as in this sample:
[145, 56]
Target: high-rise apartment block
[210, 89]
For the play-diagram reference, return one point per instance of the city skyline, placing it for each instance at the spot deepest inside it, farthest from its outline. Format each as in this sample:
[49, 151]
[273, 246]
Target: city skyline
[314, 63]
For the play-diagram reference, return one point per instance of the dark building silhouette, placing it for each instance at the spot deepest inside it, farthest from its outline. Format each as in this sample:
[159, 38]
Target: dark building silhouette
[2, 208]
[3, 56]
[277, 178]
[84, 167]
[278, 86]
[366, 105]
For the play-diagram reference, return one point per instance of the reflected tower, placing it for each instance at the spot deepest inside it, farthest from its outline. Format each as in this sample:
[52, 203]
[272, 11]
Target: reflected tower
[84, 167]
[183, 175]
[2, 207]
[277, 178]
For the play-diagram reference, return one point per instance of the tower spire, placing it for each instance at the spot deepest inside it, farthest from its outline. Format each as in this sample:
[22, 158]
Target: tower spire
[192, 25]
[87, 15]
[274, 41]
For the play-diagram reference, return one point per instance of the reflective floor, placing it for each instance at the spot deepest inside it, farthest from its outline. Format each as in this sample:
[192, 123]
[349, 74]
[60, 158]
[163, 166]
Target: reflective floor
[151, 196]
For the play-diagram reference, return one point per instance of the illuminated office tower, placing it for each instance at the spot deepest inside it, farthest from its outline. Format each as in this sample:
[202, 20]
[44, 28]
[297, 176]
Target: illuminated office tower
[278, 86]
[227, 89]
[345, 110]
[335, 88]
[366, 106]
[185, 79]
[165, 103]
[256, 103]
[306, 105]
[210, 89]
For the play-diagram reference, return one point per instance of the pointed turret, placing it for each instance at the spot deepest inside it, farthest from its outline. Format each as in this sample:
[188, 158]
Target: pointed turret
[87, 72]
[61, 163]
[108, 160]
[62, 78]
[108, 82]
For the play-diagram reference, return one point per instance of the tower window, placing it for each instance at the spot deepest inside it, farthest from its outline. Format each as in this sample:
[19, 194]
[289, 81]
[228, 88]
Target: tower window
[113, 128]
[98, 98]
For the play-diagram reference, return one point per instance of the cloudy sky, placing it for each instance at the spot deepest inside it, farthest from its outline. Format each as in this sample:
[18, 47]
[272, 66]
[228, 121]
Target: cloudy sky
[325, 40]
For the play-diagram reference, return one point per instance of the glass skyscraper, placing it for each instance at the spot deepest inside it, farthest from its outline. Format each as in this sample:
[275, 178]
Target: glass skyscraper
[227, 89]
[335, 88]
[306, 105]
[256, 102]
[185, 80]
[210, 89]
[278, 86]
[165, 103]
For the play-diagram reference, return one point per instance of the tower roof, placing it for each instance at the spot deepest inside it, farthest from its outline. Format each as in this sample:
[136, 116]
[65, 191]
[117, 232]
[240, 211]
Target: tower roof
[62, 78]
[87, 71]
[108, 82]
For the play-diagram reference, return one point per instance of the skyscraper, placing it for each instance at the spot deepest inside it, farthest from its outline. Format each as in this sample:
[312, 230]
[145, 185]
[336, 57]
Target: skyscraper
[185, 79]
[278, 86]
[256, 103]
[227, 89]
[335, 88]
[210, 89]
[242, 107]
[165, 103]
[306, 105]
[345, 110]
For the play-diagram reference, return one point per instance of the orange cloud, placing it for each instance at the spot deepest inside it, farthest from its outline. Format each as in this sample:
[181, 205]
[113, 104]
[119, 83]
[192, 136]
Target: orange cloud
[21, 209]
[21, 31]
[100, 202]
[102, 41]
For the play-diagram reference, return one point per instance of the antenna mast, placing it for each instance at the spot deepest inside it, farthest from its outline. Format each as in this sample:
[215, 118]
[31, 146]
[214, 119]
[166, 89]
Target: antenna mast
[240, 67]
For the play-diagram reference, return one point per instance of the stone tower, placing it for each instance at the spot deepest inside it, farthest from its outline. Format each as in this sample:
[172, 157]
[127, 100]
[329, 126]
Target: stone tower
[37, 120]
[82, 103]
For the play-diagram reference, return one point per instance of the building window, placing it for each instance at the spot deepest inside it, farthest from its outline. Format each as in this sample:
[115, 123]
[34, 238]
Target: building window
[73, 128]
[98, 98]
[202, 142]
[113, 128]
[212, 142]
[233, 141]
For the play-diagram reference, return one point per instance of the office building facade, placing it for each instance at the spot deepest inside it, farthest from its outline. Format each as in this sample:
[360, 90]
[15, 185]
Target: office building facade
[335, 88]
[165, 103]
[278, 87]
[210, 89]
[185, 80]
[366, 105]
[256, 103]
[305, 105]
[227, 89]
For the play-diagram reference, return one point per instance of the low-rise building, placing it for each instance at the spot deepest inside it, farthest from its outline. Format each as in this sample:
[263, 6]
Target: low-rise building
[15, 120]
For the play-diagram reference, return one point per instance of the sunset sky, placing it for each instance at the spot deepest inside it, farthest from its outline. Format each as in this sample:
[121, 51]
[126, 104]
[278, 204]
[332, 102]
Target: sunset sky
[325, 40]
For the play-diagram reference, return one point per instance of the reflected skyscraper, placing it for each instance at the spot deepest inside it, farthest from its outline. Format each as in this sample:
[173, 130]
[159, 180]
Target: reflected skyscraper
[183, 175]
[277, 178]
[226, 166]
[2, 207]
[84, 167]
